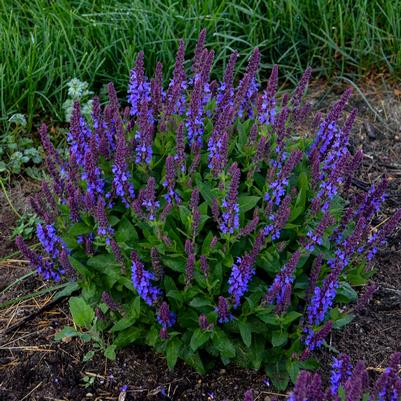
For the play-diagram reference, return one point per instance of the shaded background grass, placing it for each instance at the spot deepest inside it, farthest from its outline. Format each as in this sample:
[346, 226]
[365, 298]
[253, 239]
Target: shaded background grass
[44, 43]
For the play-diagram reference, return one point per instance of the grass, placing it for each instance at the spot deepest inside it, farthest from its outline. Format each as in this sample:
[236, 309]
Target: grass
[45, 43]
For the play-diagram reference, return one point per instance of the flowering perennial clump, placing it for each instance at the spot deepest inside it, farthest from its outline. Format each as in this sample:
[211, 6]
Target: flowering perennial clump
[203, 212]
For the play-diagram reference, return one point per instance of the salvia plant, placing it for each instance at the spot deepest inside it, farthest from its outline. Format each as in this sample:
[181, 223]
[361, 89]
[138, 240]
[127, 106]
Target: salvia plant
[347, 383]
[208, 219]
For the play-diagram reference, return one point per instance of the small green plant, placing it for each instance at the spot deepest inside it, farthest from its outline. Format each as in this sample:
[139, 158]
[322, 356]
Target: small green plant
[77, 91]
[17, 151]
[25, 226]
[91, 325]
[88, 381]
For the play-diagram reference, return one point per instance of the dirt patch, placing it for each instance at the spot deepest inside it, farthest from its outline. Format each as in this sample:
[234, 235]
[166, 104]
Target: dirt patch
[33, 366]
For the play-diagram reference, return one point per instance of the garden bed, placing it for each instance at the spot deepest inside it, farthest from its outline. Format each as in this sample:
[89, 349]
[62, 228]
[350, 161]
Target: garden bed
[35, 367]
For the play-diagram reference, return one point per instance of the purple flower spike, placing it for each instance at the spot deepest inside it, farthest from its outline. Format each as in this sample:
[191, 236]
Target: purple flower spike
[203, 323]
[222, 310]
[241, 274]
[149, 201]
[316, 237]
[247, 87]
[280, 291]
[267, 107]
[109, 301]
[314, 276]
[196, 64]
[144, 136]
[189, 269]
[340, 373]
[314, 340]
[180, 155]
[175, 98]
[121, 180]
[65, 263]
[300, 89]
[204, 265]
[156, 89]
[218, 152]
[278, 188]
[169, 182]
[141, 279]
[166, 318]
[230, 214]
[139, 87]
[225, 92]
[104, 228]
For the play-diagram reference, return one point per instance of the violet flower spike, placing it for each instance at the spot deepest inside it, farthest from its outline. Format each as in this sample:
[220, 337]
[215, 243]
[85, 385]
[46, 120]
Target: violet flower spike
[144, 136]
[169, 182]
[267, 107]
[241, 274]
[180, 155]
[139, 87]
[104, 228]
[281, 288]
[204, 267]
[149, 201]
[175, 98]
[230, 214]
[166, 318]
[222, 311]
[141, 280]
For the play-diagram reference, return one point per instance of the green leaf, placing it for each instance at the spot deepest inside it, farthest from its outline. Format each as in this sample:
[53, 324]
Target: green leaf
[110, 352]
[278, 375]
[113, 220]
[103, 262]
[199, 337]
[70, 288]
[126, 231]
[79, 229]
[205, 191]
[176, 264]
[293, 369]
[173, 349]
[79, 267]
[177, 295]
[279, 338]
[223, 344]
[123, 324]
[290, 317]
[134, 308]
[246, 333]
[185, 215]
[82, 313]
[199, 302]
[268, 317]
[246, 202]
[341, 393]
[127, 337]
[193, 359]
[67, 331]
[88, 356]
[343, 321]
[346, 293]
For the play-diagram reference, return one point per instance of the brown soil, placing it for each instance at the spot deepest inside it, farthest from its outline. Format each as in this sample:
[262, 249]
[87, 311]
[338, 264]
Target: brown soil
[34, 367]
